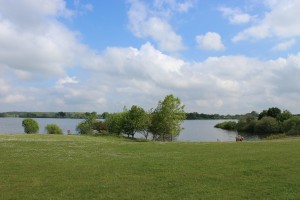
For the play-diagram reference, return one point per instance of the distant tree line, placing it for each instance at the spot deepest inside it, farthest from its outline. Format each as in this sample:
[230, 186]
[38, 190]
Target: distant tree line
[104, 115]
[202, 116]
[270, 121]
[61, 114]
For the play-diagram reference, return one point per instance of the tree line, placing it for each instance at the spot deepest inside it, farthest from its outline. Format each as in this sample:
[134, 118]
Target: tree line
[84, 115]
[162, 123]
[270, 121]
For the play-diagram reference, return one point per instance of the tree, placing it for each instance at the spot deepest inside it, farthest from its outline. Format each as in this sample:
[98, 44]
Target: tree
[246, 123]
[285, 115]
[87, 126]
[115, 122]
[53, 129]
[147, 120]
[167, 118]
[274, 112]
[100, 127]
[61, 114]
[30, 126]
[291, 126]
[135, 121]
[267, 125]
[264, 113]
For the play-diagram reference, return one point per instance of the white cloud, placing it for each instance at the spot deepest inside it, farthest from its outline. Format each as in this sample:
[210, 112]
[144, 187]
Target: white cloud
[67, 80]
[40, 46]
[284, 45]
[14, 98]
[34, 43]
[184, 6]
[281, 21]
[210, 41]
[144, 23]
[235, 15]
[142, 76]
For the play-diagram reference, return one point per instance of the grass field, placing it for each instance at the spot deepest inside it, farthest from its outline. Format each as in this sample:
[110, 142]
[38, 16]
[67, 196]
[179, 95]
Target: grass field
[83, 167]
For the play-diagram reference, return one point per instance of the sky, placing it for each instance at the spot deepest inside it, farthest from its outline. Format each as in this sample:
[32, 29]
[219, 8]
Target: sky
[226, 57]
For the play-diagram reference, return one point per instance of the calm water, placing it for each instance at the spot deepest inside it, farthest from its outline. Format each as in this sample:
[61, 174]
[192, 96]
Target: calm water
[194, 130]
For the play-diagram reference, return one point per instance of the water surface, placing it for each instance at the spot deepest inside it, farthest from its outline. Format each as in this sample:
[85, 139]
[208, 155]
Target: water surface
[193, 130]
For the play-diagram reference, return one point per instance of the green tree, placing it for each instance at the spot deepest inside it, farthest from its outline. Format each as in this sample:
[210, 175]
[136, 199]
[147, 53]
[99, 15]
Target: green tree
[264, 113]
[30, 126]
[61, 114]
[100, 127]
[285, 115]
[115, 122]
[167, 118]
[53, 129]
[87, 126]
[291, 126]
[274, 112]
[246, 123]
[136, 120]
[267, 125]
[227, 125]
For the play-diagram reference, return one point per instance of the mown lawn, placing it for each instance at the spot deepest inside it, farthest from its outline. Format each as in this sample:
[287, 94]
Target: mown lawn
[83, 167]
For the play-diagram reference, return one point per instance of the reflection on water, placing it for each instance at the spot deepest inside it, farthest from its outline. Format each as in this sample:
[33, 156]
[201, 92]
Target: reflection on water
[193, 130]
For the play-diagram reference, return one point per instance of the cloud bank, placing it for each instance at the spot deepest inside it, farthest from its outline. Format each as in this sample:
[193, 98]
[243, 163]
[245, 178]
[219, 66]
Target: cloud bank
[44, 66]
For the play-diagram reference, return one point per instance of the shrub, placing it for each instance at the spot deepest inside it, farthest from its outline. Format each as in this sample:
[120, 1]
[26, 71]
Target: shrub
[228, 125]
[246, 124]
[53, 129]
[267, 125]
[291, 126]
[30, 126]
[86, 127]
[100, 126]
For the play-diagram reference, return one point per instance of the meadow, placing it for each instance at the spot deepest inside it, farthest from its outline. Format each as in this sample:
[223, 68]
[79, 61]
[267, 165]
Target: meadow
[89, 167]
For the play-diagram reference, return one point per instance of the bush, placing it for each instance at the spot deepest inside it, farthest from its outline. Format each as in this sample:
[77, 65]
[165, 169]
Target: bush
[30, 126]
[53, 129]
[228, 125]
[246, 124]
[86, 127]
[267, 125]
[100, 127]
[115, 122]
[291, 126]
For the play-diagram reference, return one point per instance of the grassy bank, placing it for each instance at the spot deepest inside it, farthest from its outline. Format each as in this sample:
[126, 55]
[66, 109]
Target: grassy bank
[78, 167]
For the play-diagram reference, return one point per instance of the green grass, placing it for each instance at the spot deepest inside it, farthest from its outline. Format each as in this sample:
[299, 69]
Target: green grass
[84, 167]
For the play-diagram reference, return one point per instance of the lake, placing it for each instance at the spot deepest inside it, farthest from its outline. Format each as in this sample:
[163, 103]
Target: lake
[193, 130]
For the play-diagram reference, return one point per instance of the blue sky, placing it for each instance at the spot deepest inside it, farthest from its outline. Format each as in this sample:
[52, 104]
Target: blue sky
[217, 56]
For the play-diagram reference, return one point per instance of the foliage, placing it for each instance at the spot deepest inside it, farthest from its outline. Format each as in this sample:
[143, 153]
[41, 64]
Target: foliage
[135, 120]
[115, 122]
[100, 127]
[271, 112]
[291, 126]
[30, 126]
[147, 121]
[53, 129]
[246, 123]
[267, 125]
[167, 118]
[227, 125]
[285, 115]
[87, 126]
